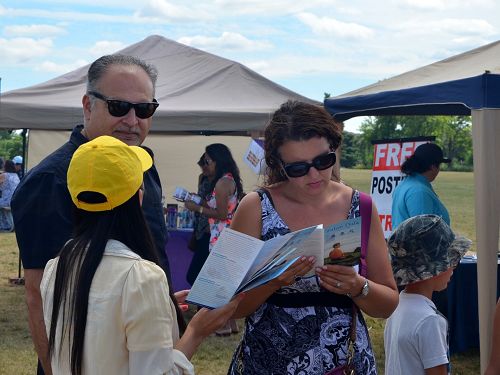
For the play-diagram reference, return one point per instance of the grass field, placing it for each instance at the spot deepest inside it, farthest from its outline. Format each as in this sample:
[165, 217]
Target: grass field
[17, 356]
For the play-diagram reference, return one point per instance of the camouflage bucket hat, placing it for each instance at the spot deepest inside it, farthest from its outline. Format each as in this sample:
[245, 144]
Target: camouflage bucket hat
[423, 247]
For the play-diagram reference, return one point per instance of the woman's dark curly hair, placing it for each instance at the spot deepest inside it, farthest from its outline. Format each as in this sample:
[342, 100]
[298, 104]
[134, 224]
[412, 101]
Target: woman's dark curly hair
[296, 121]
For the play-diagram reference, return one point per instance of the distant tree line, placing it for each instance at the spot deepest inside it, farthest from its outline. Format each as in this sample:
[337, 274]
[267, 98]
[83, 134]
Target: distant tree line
[453, 134]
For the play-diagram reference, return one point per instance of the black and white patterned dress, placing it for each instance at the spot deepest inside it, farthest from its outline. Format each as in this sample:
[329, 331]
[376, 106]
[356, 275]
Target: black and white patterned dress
[306, 340]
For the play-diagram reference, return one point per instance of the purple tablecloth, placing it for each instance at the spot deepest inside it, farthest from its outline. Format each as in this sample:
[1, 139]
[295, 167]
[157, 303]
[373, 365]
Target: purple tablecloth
[179, 257]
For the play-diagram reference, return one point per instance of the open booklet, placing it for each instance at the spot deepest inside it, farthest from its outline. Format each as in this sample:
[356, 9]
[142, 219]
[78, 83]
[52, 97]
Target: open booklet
[239, 262]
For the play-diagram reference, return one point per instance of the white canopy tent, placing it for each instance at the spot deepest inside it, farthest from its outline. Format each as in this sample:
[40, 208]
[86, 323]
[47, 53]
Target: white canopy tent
[466, 84]
[197, 92]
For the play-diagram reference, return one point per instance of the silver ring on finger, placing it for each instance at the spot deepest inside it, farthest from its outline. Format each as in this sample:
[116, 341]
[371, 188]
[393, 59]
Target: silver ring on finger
[338, 284]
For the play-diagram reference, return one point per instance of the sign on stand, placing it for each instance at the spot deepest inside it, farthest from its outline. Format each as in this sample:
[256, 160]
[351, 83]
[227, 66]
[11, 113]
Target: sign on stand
[254, 157]
[388, 156]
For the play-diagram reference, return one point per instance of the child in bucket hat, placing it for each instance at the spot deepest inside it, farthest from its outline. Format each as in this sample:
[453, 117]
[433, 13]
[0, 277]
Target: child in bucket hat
[424, 251]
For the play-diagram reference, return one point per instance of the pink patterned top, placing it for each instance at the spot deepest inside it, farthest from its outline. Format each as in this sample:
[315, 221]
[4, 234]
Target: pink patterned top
[216, 225]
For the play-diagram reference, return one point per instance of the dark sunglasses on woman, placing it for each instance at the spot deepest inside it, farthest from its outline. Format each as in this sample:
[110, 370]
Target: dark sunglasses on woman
[301, 168]
[119, 108]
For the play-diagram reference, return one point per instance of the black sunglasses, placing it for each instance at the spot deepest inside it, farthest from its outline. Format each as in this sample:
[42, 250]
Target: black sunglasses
[119, 108]
[301, 168]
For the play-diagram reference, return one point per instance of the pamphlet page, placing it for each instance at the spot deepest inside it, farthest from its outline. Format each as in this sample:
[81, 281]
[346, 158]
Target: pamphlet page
[224, 269]
[276, 255]
[343, 242]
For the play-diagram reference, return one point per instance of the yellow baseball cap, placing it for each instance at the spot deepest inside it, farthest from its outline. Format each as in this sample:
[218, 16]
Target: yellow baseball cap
[107, 166]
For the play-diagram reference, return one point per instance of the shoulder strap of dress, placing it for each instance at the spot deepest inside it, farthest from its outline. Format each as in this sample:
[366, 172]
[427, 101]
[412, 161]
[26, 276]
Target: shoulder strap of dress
[264, 192]
[365, 208]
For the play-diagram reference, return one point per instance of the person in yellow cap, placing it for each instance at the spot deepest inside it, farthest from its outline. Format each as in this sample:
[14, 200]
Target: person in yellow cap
[107, 305]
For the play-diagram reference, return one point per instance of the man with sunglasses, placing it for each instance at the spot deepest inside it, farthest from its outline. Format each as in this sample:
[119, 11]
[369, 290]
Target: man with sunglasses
[119, 101]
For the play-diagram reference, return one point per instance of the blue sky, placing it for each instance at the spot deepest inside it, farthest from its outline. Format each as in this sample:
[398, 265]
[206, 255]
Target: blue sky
[311, 47]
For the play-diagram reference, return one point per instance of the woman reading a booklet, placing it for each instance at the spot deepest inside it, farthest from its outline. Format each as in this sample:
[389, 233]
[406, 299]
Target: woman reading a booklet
[301, 322]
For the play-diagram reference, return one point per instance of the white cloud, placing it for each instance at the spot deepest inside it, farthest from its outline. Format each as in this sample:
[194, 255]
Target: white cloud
[22, 50]
[443, 5]
[105, 47]
[167, 11]
[228, 40]
[76, 16]
[331, 26]
[426, 4]
[270, 8]
[33, 30]
[52, 67]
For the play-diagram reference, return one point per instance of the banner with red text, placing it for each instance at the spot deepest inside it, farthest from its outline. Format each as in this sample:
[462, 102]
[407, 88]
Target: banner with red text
[387, 159]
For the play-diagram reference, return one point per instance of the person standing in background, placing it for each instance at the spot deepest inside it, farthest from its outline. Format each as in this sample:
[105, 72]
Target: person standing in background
[119, 101]
[415, 195]
[226, 191]
[201, 229]
[18, 162]
[8, 184]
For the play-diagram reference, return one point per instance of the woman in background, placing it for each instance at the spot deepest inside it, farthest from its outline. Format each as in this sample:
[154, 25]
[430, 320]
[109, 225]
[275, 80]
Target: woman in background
[8, 183]
[226, 191]
[415, 195]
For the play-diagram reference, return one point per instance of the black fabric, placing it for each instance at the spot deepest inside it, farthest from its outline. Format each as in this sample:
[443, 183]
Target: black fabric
[39, 369]
[199, 257]
[41, 206]
[152, 207]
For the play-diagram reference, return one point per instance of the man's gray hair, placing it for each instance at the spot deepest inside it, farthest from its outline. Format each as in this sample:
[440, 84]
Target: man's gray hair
[101, 65]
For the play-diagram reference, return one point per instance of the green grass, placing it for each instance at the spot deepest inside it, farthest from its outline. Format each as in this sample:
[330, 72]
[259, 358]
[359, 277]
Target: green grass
[17, 356]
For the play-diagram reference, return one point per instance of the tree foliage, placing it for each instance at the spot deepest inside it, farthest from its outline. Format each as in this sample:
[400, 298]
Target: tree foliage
[11, 144]
[351, 155]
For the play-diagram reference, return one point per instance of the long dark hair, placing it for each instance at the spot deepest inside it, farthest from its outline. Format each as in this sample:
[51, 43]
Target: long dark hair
[224, 163]
[79, 260]
[296, 121]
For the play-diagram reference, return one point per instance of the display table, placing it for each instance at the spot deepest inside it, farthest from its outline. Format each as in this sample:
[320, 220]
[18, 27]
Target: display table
[179, 257]
[459, 304]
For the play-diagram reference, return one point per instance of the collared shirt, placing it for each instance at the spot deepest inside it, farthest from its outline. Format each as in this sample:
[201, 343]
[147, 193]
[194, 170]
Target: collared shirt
[415, 196]
[42, 207]
[131, 321]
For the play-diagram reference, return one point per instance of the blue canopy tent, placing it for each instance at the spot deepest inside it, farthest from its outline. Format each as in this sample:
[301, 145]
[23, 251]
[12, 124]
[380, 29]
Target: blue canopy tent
[457, 97]
[465, 84]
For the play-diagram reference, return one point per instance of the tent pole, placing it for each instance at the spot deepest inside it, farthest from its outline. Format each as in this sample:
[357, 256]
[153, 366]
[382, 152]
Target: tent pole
[485, 137]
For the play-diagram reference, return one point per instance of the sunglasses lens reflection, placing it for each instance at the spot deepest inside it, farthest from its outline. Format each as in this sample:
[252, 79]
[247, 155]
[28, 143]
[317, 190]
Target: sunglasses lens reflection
[324, 161]
[119, 108]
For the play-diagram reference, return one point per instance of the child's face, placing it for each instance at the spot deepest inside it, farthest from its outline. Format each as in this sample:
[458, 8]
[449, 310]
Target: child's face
[442, 280]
